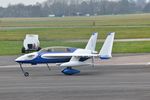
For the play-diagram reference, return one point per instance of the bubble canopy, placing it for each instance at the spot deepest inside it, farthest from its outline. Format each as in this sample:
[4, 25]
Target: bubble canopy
[58, 49]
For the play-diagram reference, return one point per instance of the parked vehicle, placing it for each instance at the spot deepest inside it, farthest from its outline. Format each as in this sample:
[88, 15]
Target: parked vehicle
[31, 43]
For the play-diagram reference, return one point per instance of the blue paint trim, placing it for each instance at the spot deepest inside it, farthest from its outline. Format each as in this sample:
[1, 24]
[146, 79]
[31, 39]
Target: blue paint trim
[70, 71]
[104, 57]
[40, 60]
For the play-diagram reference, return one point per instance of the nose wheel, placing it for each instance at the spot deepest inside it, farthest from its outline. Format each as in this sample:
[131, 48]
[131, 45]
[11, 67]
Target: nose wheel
[26, 74]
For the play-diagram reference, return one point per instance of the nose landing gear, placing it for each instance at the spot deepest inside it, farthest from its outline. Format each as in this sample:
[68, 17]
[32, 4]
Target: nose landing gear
[26, 74]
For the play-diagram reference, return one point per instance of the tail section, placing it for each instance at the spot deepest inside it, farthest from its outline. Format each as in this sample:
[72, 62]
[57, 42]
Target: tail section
[105, 52]
[92, 42]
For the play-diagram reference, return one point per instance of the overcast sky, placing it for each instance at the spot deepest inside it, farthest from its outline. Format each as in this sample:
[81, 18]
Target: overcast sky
[4, 3]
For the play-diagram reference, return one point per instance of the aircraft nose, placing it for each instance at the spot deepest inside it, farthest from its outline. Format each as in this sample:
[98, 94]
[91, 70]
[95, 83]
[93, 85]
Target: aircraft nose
[19, 59]
[26, 57]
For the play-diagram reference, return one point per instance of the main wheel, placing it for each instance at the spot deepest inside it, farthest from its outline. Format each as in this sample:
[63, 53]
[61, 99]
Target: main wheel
[23, 50]
[26, 74]
[39, 48]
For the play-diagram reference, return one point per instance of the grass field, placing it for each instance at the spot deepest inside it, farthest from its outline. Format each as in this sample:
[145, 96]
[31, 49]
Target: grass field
[14, 47]
[50, 30]
[108, 20]
[126, 26]
[75, 33]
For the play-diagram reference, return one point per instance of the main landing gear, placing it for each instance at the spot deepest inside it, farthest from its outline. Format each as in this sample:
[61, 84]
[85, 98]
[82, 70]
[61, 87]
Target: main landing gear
[70, 71]
[48, 67]
[26, 74]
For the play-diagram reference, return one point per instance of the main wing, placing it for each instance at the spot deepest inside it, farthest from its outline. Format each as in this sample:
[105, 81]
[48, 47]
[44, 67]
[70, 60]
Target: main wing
[68, 55]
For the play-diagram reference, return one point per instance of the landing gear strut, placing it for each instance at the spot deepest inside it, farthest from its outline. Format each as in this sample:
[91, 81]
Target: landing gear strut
[48, 67]
[26, 74]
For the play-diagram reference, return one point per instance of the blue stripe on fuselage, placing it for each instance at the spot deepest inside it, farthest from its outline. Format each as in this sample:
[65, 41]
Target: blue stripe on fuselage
[40, 60]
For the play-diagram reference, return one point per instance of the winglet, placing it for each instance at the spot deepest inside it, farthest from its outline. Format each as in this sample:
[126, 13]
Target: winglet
[105, 52]
[92, 42]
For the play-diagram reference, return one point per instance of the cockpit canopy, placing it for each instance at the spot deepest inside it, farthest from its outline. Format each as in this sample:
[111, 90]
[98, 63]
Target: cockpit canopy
[58, 49]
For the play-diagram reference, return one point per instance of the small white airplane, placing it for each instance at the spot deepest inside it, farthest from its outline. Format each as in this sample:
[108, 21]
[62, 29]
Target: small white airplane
[67, 56]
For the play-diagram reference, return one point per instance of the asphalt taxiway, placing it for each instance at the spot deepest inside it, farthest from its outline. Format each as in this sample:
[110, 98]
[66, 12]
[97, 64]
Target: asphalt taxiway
[130, 81]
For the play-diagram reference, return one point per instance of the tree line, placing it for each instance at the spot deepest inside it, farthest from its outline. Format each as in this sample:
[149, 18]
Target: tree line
[76, 8]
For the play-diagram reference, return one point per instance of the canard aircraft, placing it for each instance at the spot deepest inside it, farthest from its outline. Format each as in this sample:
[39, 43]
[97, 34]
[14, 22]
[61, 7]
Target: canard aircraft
[69, 57]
